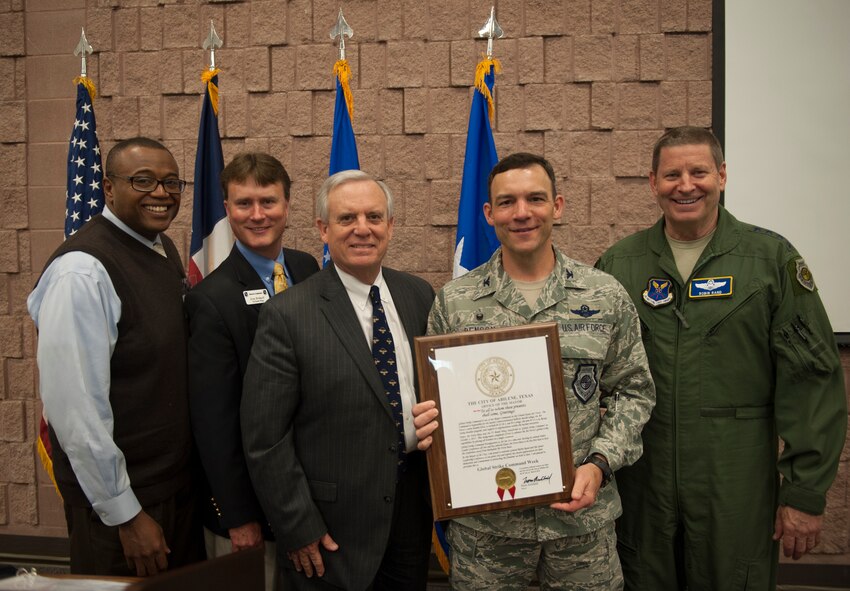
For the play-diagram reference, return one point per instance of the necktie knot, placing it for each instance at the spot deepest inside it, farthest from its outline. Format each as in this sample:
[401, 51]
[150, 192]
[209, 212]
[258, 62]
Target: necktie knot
[279, 278]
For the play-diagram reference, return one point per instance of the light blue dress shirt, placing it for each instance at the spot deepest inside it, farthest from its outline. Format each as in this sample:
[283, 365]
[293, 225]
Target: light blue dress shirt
[264, 267]
[76, 310]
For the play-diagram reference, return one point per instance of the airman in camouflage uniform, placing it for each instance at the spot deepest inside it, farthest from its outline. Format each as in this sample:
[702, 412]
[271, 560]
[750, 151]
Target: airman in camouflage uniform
[608, 387]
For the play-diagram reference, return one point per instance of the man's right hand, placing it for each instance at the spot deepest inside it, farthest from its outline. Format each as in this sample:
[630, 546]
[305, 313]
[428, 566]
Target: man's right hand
[309, 558]
[246, 536]
[424, 419]
[144, 545]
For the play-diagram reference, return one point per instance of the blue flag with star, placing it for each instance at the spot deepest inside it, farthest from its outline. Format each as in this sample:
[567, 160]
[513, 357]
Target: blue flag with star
[84, 195]
[476, 240]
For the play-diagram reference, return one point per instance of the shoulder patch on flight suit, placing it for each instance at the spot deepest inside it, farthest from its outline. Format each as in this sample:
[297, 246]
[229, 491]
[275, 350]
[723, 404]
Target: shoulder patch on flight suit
[657, 292]
[801, 276]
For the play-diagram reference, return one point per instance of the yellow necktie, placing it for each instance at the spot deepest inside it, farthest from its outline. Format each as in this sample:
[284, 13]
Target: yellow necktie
[279, 278]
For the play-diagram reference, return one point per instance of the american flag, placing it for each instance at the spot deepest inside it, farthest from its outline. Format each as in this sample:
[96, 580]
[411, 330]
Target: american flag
[84, 195]
[83, 199]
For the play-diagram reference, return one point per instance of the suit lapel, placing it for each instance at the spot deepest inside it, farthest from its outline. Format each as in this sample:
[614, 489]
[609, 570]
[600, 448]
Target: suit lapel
[247, 277]
[337, 308]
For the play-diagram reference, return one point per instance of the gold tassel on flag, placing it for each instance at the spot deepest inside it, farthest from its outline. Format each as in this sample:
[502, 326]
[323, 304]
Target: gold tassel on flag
[481, 70]
[206, 77]
[343, 73]
[86, 81]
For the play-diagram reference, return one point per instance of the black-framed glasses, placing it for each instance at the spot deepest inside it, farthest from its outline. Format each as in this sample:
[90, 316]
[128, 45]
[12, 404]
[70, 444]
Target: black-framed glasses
[147, 184]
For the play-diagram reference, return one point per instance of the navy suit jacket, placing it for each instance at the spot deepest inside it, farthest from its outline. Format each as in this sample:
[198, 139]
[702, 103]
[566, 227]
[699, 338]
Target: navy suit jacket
[221, 329]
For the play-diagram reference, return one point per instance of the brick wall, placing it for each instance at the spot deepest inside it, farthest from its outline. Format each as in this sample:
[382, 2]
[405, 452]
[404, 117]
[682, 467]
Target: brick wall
[588, 83]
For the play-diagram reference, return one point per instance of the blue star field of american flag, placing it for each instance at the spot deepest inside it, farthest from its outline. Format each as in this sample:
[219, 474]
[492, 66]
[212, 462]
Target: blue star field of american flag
[84, 196]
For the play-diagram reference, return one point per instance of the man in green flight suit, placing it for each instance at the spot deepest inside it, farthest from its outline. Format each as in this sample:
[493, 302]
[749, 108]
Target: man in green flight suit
[742, 352]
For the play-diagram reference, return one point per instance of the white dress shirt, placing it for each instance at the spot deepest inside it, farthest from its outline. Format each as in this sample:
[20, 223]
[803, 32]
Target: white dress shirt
[358, 292]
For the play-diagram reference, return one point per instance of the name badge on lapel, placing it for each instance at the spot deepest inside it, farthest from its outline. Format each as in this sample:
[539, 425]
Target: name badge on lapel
[255, 296]
[710, 287]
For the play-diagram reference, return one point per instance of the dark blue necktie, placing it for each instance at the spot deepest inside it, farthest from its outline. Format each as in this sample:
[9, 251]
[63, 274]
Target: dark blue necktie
[383, 352]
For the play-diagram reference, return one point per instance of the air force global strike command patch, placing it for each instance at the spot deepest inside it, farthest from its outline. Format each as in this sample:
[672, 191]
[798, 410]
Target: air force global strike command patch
[710, 287]
[584, 382]
[804, 275]
[657, 292]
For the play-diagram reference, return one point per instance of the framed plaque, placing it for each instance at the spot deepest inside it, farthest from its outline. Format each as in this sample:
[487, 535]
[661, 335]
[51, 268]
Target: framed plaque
[504, 435]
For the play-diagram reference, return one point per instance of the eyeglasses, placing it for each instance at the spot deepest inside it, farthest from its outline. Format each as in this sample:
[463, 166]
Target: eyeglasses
[146, 184]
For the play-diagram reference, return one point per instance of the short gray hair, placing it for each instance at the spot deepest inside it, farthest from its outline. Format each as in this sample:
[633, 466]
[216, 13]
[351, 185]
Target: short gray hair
[341, 178]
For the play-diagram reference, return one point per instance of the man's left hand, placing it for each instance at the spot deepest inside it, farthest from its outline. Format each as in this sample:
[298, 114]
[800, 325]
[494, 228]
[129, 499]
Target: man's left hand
[799, 531]
[586, 485]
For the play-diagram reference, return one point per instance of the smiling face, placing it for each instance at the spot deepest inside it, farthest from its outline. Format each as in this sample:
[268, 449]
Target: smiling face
[687, 185]
[358, 229]
[257, 215]
[523, 210]
[145, 213]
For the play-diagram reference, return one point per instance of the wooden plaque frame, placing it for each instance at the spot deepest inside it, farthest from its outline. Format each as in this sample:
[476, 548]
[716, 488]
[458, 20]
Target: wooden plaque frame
[425, 348]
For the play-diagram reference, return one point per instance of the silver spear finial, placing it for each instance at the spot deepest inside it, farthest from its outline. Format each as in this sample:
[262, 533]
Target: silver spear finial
[212, 42]
[491, 30]
[82, 49]
[341, 30]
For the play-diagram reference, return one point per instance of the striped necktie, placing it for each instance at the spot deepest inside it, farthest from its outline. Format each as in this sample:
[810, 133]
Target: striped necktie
[279, 278]
[383, 353]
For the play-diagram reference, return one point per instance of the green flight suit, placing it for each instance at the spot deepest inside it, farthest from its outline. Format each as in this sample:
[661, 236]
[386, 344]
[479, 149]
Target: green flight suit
[737, 361]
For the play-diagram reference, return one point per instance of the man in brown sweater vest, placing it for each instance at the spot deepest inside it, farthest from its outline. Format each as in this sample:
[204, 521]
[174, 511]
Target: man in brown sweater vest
[112, 364]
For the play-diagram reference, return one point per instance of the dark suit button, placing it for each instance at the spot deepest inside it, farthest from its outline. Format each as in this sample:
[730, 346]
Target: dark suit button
[393, 449]
[388, 499]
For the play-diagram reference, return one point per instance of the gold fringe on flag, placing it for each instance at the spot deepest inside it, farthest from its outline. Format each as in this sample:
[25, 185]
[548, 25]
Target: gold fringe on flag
[206, 78]
[343, 73]
[44, 455]
[86, 81]
[481, 70]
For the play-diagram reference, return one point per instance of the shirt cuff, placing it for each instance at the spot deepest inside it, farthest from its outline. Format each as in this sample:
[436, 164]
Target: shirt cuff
[802, 499]
[118, 510]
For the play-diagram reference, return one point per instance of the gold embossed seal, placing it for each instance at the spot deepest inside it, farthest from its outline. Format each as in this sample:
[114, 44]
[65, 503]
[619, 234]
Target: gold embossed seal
[494, 377]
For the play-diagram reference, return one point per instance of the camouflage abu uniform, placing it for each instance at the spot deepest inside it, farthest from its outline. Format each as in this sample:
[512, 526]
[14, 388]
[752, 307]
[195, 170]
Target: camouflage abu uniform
[600, 337]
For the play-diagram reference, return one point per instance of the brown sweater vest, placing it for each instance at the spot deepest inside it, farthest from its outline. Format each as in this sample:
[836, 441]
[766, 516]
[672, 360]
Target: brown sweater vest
[148, 367]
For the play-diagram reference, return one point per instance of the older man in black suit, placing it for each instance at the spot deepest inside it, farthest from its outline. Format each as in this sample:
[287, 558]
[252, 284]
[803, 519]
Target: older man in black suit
[223, 311]
[326, 416]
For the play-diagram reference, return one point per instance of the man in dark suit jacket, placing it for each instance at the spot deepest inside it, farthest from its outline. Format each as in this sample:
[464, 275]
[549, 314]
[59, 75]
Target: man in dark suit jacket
[326, 417]
[223, 311]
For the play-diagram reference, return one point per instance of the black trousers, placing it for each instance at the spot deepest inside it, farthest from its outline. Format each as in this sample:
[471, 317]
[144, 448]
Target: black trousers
[96, 548]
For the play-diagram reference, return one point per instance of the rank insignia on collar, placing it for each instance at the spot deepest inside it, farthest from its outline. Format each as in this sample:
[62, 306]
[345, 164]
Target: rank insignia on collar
[584, 311]
[710, 287]
[804, 275]
[657, 292]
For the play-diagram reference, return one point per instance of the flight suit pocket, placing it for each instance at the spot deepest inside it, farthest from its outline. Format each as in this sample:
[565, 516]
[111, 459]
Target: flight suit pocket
[804, 349]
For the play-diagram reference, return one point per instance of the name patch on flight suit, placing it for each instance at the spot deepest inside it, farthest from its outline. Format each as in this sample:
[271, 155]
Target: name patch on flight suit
[657, 292]
[710, 287]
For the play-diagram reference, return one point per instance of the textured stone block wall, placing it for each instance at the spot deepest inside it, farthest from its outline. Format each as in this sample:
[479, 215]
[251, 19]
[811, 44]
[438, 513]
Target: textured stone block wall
[588, 83]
